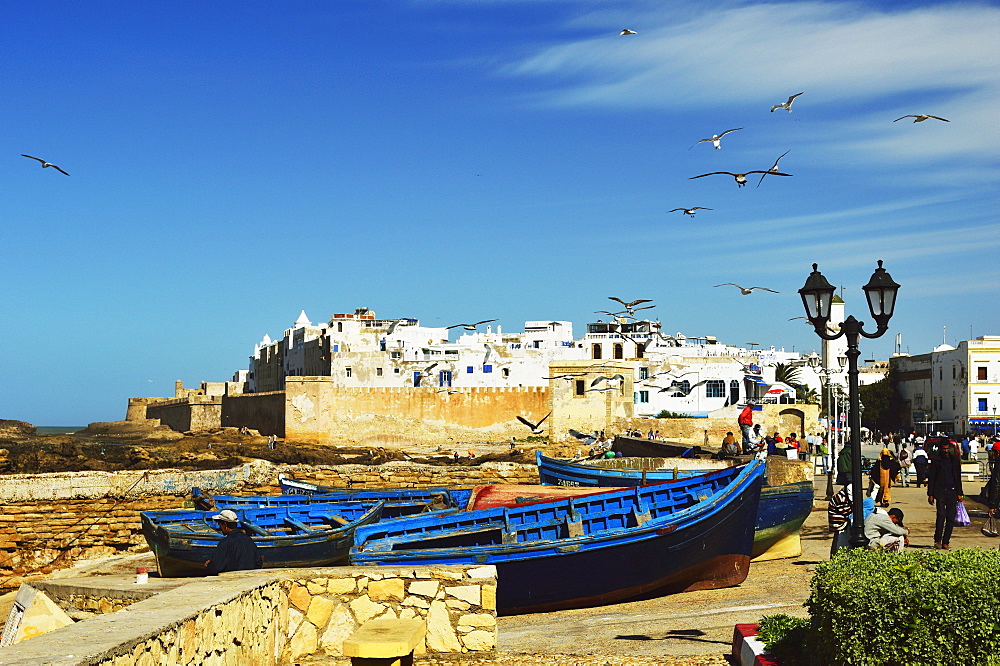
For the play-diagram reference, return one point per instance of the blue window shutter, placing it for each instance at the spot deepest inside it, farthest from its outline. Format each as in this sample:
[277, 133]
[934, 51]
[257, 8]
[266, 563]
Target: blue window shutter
[487, 369]
[469, 369]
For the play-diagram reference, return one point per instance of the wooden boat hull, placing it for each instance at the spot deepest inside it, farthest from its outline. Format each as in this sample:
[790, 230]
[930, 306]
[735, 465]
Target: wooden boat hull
[183, 540]
[782, 511]
[783, 507]
[703, 544]
[646, 448]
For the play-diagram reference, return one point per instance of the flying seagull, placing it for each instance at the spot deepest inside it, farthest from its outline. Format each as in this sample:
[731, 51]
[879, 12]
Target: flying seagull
[45, 164]
[470, 327]
[746, 290]
[626, 31]
[689, 211]
[741, 178]
[586, 439]
[679, 388]
[773, 169]
[535, 427]
[612, 378]
[787, 106]
[917, 118]
[393, 325]
[716, 138]
[630, 305]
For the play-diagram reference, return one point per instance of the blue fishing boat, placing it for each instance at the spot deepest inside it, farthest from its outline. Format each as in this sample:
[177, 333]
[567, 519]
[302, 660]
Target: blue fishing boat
[397, 503]
[786, 498]
[443, 497]
[689, 534]
[305, 535]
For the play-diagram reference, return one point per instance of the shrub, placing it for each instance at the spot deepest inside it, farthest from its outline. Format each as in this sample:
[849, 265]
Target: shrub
[786, 638]
[665, 414]
[926, 607]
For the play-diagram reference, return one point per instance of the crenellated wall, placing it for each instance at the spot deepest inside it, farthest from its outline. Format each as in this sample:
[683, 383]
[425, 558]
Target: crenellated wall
[318, 411]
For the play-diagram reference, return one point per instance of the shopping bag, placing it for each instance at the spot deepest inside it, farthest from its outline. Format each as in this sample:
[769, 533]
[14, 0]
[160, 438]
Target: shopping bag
[990, 528]
[961, 515]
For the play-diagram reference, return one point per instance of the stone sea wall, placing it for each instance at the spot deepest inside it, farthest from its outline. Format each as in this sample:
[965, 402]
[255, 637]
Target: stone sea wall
[251, 618]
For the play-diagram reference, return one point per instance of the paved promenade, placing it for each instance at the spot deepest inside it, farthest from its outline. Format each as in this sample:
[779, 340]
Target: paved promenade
[701, 623]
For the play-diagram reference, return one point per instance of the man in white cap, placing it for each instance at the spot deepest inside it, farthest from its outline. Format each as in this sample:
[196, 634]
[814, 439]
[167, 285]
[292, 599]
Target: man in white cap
[236, 551]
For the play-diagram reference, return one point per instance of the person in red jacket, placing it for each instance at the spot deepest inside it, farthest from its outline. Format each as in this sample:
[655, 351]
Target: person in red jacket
[745, 422]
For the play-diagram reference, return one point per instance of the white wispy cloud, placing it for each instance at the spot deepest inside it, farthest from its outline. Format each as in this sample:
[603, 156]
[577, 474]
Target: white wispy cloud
[842, 54]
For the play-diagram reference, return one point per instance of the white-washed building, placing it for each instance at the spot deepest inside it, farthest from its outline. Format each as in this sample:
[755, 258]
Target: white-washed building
[951, 389]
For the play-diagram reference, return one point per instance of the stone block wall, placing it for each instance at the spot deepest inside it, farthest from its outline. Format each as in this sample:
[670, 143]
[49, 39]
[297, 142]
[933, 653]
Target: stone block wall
[263, 412]
[797, 418]
[41, 537]
[326, 606]
[277, 618]
[190, 413]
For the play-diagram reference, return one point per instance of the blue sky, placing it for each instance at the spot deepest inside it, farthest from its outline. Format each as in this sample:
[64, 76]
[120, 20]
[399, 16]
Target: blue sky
[233, 163]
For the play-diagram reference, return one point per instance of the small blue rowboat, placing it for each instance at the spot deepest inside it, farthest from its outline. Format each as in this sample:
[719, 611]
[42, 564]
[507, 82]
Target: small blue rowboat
[605, 548]
[786, 498]
[396, 503]
[440, 497]
[286, 536]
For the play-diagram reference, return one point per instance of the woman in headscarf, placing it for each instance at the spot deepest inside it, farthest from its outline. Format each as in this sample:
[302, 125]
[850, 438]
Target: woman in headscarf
[884, 473]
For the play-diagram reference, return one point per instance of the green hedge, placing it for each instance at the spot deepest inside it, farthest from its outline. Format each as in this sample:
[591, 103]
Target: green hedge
[909, 608]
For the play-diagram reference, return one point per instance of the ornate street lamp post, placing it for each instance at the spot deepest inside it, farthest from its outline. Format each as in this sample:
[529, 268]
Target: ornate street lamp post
[817, 295]
[825, 375]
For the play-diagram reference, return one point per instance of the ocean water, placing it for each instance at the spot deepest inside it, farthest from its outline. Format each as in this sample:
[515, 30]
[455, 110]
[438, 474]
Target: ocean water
[58, 430]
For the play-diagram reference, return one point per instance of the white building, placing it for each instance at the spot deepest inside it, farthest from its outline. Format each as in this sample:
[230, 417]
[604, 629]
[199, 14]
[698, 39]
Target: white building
[955, 390]
[690, 375]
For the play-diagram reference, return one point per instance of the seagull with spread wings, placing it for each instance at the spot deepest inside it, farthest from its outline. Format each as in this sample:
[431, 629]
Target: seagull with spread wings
[612, 378]
[773, 169]
[630, 305]
[746, 290]
[45, 164]
[716, 138]
[787, 106]
[470, 327]
[677, 387]
[626, 31]
[689, 211]
[741, 178]
[917, 118]
[535, 427]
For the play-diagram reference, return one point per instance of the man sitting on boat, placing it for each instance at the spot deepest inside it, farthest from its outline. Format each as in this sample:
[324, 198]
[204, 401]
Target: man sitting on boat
[236, 551]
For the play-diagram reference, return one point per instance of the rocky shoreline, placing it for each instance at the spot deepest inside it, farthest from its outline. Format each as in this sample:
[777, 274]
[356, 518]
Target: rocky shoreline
[131, 445]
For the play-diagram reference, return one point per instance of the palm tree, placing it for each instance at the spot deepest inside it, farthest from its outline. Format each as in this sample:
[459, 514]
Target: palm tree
[786, 373]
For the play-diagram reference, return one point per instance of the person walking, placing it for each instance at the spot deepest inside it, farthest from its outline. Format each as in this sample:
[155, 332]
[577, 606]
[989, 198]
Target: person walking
[993, 491]
[920, 462]
[905, 461]
[944, 488]
[884, 472]
[236, 551]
